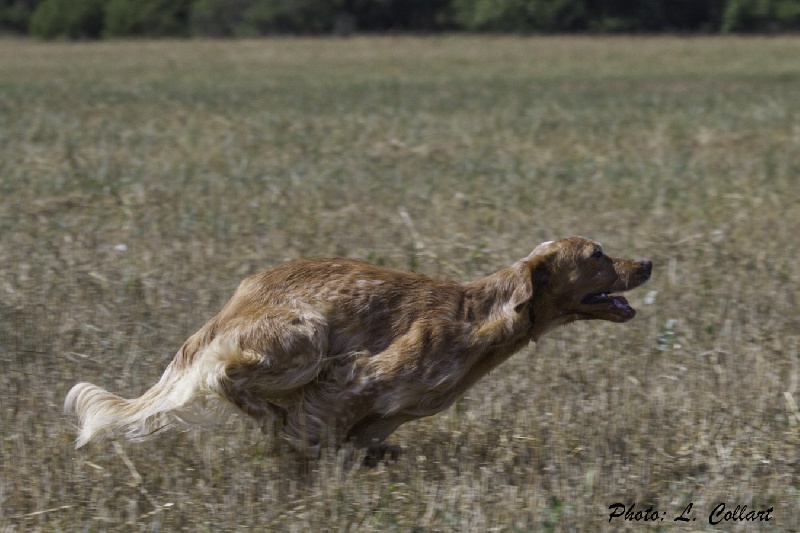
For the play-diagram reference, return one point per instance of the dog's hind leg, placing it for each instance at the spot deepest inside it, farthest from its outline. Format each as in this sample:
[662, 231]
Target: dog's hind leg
[240, 388]
[323, 413]
[268, 360]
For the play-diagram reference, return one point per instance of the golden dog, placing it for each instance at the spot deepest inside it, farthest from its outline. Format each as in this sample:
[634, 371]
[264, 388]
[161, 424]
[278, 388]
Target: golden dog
[333, 350]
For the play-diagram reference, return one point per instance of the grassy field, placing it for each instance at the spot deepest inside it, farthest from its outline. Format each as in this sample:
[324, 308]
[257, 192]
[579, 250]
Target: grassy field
[140, 181]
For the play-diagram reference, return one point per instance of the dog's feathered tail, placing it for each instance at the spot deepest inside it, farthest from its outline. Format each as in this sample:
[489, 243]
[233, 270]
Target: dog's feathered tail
[193, 395]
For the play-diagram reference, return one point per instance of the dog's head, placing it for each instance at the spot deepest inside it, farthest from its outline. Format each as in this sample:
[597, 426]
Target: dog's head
[573, 279]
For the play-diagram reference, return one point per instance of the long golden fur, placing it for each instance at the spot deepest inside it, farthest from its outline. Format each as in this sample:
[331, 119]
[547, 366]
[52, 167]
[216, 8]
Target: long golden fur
[334, 350]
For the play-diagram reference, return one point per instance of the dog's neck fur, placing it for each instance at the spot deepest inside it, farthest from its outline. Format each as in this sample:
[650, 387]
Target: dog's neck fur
[502, 307]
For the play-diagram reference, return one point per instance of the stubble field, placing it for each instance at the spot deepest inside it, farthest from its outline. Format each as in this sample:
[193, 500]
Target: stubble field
[140, 181]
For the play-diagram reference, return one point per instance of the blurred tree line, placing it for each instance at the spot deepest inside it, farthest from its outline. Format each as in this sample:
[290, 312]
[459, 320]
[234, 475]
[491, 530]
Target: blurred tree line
[92, 19]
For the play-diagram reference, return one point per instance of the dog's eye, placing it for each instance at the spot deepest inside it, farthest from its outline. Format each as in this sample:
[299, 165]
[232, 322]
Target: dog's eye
[597, 254]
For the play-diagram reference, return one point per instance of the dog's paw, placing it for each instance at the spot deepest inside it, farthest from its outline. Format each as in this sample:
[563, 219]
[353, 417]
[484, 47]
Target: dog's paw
[380, 452]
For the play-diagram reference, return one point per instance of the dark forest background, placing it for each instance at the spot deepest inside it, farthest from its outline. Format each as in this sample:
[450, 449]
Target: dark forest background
[96, 19]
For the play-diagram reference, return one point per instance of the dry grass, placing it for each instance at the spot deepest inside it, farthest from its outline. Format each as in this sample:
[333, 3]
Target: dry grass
[140, 181]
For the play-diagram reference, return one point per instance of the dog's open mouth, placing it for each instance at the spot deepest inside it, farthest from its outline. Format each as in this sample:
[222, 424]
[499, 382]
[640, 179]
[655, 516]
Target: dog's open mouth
[611, 304]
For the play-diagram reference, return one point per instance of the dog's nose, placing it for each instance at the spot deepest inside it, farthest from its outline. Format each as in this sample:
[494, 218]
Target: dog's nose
[647, 266]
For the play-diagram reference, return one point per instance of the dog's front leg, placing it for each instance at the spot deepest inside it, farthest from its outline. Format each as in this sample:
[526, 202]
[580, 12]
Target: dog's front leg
[371, 431]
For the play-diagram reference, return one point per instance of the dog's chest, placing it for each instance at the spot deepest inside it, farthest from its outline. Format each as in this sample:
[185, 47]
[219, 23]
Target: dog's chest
[455, 377]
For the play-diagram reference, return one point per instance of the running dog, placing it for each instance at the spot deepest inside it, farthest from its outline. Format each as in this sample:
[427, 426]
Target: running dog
[326, 351]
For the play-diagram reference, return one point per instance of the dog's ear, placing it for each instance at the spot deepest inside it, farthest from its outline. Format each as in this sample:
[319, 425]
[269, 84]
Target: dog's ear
[530, 277]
